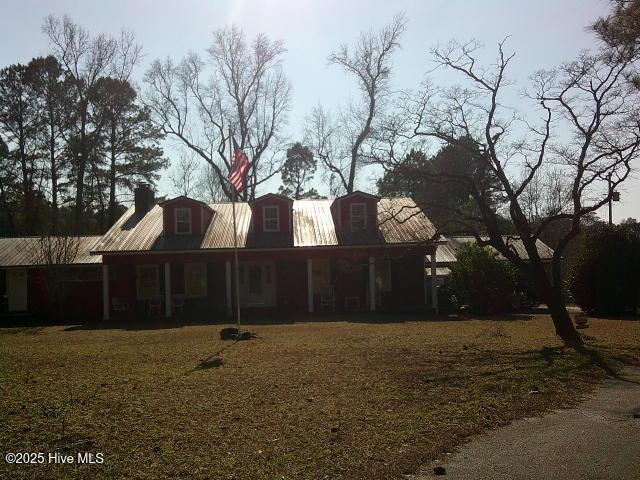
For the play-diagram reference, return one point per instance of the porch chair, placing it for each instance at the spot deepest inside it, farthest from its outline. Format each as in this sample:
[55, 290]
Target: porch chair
[327, 296]
[155, 306]
[118, 306]
[177, 304]
[352, 302]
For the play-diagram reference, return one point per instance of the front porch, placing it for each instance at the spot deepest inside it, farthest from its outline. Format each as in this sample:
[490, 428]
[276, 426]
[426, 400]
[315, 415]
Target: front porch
[203, 287]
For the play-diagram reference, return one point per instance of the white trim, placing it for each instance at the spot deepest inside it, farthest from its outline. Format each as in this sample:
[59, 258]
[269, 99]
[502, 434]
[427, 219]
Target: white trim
[372, 284]
[17, 290]
[310, 285]
[386, 269]
[354, 204]
[264, 218]
[105, 292]
[270, 297]
[138, 268]
[434, 287]
[175, 217]
[167, 289]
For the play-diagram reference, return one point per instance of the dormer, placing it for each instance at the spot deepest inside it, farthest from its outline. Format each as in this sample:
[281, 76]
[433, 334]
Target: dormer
[355, 213]
[271, 214]
[185, 216]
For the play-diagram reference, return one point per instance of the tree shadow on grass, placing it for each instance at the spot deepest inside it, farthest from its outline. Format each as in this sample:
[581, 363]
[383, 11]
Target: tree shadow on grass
[596, 357]
[214, 360]
[460, 367]
[209, 363]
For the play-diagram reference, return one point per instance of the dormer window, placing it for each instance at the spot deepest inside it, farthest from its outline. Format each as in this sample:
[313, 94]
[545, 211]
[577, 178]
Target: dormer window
[358, 217]
[271, 218]
[183, 221]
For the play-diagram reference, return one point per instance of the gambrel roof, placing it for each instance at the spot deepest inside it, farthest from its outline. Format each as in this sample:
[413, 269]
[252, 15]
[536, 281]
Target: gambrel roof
[400, 221]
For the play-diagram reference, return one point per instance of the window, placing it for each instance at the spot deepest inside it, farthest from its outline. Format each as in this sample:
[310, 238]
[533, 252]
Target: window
[271, 219]
[195, 280]
[383, 274]
[183, 221]
[358, 217]
[147, 282]
[321, 275]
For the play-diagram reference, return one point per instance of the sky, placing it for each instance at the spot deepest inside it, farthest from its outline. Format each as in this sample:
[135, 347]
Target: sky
[542, 33]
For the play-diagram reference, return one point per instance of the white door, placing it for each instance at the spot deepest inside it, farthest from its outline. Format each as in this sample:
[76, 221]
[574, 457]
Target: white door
[257, 284]
[17, 290]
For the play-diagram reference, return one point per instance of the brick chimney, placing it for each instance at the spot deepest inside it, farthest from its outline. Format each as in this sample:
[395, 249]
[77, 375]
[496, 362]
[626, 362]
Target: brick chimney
[144, 198]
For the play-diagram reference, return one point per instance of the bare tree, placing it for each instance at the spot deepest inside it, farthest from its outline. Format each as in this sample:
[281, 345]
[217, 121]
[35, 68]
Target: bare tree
[184, 176]
[86, 59]
[52, 252]
[588, 131]
[339, 143]
[245, 92]
[191, 178]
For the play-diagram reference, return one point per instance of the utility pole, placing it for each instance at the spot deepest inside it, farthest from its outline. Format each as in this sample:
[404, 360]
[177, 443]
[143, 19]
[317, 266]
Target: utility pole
[610, 200]
[613, 197]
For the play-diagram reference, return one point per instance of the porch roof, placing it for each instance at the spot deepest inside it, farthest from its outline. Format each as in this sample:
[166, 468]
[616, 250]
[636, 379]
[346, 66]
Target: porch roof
[400, 221]
[28, 252]
[447, 253]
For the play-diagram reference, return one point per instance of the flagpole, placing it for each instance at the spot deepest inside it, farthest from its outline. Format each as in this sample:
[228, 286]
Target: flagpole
[235, 235]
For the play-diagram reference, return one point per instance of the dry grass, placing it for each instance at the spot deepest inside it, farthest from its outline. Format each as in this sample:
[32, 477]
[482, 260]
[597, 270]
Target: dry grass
[305, 400]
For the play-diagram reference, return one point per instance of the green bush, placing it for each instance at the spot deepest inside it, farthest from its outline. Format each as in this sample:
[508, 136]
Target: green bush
[604, 278]
[481, 282]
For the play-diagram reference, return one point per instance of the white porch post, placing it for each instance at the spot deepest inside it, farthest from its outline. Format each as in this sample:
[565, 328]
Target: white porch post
[105, 292]
[425, 290]
[372, 284]
[434, 287]
[167, 289]
[310, 285]
[228, 278]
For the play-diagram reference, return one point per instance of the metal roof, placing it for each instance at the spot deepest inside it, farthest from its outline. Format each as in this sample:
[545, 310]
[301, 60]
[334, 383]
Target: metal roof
[26, 252]
[400, 221]
[447, 252]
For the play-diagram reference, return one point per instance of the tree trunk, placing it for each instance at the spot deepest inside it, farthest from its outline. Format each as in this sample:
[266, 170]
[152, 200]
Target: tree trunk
[27, 187]
[112, 178]
[10, 223]
[559, 314]
[54, 178]
[82, 162]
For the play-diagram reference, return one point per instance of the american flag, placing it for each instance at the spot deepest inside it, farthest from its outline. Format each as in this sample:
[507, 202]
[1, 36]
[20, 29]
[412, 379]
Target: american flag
[239, 167]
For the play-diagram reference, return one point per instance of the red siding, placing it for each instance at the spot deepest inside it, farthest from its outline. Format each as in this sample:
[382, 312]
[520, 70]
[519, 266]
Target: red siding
[345, 211]
[284, 207]
[198, 213]
[407, 283]
[291, 281]
[78, 300]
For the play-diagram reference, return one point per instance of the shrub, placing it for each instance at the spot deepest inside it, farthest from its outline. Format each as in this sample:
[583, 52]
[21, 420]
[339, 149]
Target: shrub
[481, 282]
[604, 278]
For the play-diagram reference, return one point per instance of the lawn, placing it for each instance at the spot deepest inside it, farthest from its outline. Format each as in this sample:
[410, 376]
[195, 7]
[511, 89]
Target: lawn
[371, 398]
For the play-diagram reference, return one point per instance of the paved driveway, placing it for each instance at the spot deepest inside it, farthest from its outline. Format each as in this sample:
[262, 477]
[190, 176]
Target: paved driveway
[600, 439]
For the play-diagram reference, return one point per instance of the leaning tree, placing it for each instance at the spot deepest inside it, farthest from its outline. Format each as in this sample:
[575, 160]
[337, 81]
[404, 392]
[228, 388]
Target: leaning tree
[340, 141]
[586, 135]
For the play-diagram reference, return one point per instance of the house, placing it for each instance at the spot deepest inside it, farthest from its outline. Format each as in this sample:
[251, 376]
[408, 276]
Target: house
[174, 258]
[32, 268]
